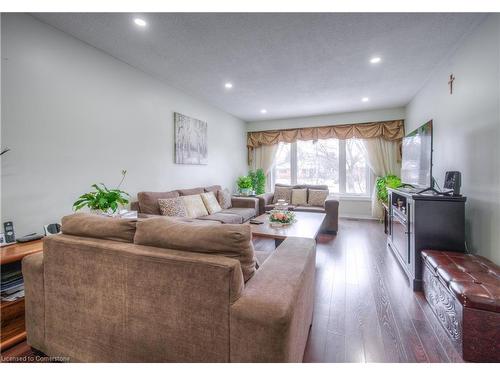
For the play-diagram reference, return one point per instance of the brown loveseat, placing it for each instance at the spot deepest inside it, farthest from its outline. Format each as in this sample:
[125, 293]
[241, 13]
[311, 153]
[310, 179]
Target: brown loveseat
[330, 208]
[97, 295]
[242, 208]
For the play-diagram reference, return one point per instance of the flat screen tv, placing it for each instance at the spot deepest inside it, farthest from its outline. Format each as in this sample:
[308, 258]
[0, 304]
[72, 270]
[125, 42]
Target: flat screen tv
[416, 168]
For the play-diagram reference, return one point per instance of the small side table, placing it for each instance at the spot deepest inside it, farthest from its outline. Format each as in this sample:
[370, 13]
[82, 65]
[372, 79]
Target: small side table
[13, 329]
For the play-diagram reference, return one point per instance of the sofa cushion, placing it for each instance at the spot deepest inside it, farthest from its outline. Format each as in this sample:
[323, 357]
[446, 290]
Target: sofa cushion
[224, 198]
[148, 200]
[173, 207]
[245, 213]
[214, 188]
[230, 240]
[310, 209]
[99, 226]
[194, 206]
[317, 197]
[269, 207]
[299, 196]
[193, 191]
[224, 218]
[282, 192]
[211, 202]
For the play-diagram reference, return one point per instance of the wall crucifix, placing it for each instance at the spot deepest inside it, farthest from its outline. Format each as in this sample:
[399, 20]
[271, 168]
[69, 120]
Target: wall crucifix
[450, 82]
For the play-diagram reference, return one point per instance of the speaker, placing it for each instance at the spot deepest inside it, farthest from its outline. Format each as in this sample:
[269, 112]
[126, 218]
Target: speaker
[51, 229]
[453, 182]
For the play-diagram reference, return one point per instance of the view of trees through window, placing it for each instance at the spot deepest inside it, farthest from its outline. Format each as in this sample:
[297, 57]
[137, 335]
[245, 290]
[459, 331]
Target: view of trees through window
[337, 163]
[318, 163]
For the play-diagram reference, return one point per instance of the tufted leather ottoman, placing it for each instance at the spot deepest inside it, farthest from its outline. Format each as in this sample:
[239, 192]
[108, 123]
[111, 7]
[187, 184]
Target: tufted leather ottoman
[463, 290]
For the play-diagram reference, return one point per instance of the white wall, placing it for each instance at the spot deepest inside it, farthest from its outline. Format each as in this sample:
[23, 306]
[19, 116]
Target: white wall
[467, 130]
[348, 207]
[73, 115]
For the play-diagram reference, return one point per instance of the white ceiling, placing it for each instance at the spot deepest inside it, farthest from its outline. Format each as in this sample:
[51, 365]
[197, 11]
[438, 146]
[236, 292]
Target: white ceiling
[290, 64]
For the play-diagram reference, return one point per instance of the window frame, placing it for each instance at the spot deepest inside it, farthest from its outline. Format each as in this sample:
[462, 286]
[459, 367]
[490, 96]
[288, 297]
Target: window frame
[342, 173]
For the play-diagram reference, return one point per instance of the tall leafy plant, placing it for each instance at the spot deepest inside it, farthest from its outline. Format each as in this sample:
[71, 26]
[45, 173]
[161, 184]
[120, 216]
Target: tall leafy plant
[102, 198]
[383, 183]
[258, 181]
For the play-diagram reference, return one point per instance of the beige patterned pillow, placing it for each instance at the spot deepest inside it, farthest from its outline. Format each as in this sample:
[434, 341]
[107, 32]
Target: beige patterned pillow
[282, 192]
[317, 197]
[194, 205]
[211, 202]
[224, 198]
[172, 207]
[299, 197]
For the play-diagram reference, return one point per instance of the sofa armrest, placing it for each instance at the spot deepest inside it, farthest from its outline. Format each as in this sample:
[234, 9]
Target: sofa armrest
[331, 222]
[264, 199]
[134, 206]
[32, 267]
[270, 321]
[245, 202]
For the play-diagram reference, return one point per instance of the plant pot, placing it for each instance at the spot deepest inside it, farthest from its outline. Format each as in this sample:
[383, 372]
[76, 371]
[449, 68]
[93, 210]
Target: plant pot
[246, 191]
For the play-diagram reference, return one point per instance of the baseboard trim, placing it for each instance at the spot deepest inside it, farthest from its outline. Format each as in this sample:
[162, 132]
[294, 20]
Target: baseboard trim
[358, 217]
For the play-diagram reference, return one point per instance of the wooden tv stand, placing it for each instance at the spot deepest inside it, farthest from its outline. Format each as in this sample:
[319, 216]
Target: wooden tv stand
[423, 221]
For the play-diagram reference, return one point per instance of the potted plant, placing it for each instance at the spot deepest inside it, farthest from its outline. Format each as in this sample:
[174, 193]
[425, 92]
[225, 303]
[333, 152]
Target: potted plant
[258, 181]
[102, 199]
[383, 183]
[244, 185]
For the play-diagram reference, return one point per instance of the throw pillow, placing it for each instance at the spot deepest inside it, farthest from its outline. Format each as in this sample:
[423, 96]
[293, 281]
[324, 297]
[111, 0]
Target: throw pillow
[230, 240]
[173, 207]
[282, 192]
[224, 198]
[211, 202]
[299, 197]
[317, 197]
[194, 206]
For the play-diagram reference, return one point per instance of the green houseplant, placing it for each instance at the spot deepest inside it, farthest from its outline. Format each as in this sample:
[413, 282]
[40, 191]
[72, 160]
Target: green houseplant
[382, 183]
[244, 184]
[258, 181]
[103, 199]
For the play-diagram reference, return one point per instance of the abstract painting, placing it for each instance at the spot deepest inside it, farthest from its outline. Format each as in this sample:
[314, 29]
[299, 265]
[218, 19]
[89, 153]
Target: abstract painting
[190, 140]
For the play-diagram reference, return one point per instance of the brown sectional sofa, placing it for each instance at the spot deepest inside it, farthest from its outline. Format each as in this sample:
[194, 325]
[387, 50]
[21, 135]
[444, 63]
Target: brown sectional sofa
[242, 208]
[331, 207]
[96, 295]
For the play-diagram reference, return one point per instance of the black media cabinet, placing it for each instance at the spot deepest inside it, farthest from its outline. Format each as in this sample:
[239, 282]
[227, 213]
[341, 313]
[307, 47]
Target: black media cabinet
[423, 221]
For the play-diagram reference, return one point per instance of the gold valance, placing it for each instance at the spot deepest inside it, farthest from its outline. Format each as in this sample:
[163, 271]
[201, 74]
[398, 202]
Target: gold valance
[389, 130]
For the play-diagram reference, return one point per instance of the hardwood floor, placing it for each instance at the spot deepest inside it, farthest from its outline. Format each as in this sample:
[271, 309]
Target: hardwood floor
[364, 310]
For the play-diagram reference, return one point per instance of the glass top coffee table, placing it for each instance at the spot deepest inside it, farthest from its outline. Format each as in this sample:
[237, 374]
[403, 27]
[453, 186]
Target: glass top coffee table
[307, 225]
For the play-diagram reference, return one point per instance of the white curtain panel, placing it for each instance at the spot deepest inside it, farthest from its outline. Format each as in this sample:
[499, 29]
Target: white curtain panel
[382, 158]
[265, 157]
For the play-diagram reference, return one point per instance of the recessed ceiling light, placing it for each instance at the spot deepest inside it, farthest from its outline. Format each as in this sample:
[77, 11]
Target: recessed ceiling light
[140, 22]
[228, 85]
[375, 60]
[263, 111]
[365, 99]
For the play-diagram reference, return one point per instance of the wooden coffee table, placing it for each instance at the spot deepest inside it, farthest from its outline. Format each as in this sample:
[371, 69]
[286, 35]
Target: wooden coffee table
[307, 225]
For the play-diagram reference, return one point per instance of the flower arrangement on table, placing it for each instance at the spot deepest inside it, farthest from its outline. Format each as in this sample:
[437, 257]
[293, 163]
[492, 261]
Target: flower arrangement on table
[281, 218]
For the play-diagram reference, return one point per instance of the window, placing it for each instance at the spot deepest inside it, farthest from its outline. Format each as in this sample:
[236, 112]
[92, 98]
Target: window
[339, 164]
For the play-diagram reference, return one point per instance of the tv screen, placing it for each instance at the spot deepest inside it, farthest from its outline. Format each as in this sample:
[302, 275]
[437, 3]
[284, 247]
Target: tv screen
[416, 168]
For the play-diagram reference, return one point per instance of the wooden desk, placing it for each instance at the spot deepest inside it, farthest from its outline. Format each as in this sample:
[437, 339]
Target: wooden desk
[13, 328]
